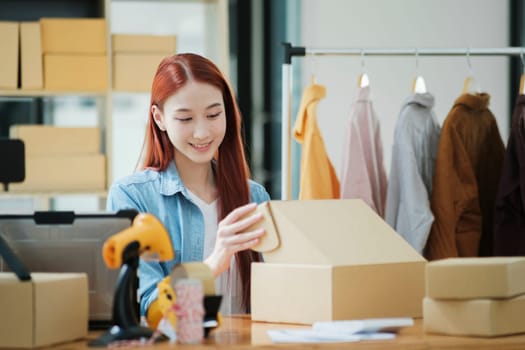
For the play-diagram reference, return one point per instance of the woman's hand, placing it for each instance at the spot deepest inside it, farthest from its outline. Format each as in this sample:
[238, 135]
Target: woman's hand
[233, 235]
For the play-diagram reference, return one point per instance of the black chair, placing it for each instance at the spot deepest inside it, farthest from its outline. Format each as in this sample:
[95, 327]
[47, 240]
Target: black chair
[12, 161]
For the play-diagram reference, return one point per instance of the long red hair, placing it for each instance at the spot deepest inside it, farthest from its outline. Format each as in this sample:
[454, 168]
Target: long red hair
[231, 171]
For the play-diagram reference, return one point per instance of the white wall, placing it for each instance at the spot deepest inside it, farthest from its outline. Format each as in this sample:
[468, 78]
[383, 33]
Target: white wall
[402, 24]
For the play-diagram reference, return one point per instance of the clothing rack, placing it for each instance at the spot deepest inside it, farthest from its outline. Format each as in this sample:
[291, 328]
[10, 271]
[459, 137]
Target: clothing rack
[300, 51]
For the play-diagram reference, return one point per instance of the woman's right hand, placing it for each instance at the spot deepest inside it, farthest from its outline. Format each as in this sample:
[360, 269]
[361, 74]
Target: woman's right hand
[234, 234]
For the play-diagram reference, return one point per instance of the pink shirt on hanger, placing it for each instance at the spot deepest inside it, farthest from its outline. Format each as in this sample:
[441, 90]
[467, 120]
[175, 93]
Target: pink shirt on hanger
[363, 173]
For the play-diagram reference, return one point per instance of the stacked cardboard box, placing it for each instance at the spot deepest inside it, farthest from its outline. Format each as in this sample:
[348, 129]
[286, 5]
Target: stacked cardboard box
[333, 260]
[475, 296]
[9, 45]
[75, 54]
[31, 70]
[136, 58]
[61, 158]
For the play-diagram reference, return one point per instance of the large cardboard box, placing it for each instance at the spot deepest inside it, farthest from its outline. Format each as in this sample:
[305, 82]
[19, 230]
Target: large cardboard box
[66, 140]
[470, 278]
[9, 44]
[74, 35]
[63, 173]
[76, 72]
[130, 43]
[51, 308]
[31, 66]
[333, 260]
[479, 317]
[134, 72]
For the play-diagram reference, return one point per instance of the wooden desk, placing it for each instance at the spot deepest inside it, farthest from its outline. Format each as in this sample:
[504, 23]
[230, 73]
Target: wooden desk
[238, 332]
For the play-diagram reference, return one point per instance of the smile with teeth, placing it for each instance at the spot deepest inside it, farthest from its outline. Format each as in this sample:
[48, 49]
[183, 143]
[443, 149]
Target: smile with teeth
[201, 146]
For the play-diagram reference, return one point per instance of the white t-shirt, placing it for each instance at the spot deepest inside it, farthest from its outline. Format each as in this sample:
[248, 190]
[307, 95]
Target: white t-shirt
[228, 283]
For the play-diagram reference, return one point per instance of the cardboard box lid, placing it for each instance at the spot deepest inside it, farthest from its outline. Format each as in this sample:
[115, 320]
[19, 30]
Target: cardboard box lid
[333, 232]
[467, 278]
[130, 43]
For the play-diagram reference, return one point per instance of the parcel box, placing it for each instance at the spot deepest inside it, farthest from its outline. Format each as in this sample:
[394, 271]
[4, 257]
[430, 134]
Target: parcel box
[65, 140]
[333, 260]
[51, 308]
[136, 58]
[469, 278]
[31, 67]
[72, 72]
[131, 43]
[73, 35]
[63, 173]
[135, 71]
[479, 317]
[9, 55]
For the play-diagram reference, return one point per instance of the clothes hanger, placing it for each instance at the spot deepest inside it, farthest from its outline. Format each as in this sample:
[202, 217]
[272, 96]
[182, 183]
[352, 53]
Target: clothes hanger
[362, 79]
[418, 83]
[313, 65]
[522, 79]
[470, 85]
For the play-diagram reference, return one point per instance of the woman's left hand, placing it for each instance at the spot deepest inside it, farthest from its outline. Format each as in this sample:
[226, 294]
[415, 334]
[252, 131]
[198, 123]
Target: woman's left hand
[233, 235]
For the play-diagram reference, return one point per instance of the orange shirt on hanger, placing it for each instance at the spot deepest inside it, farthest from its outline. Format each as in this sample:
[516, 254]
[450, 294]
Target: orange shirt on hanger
[318, 179]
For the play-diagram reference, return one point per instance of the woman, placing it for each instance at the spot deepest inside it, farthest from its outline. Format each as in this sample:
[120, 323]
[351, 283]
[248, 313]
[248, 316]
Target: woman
[194, 178]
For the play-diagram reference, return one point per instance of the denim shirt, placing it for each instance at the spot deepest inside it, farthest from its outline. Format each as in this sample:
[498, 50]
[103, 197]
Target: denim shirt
[163, 194]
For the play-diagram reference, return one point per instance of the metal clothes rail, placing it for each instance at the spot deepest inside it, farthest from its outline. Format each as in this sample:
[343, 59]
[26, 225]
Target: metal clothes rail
[300, 51]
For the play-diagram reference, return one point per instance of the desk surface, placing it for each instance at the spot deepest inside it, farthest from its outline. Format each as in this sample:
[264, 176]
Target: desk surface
[239, 332]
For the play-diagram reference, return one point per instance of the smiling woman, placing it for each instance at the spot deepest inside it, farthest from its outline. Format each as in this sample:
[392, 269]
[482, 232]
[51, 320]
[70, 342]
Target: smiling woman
[195, 179]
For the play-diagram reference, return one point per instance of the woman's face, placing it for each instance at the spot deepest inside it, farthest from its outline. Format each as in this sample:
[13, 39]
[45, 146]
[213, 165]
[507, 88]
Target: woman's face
[195, 121]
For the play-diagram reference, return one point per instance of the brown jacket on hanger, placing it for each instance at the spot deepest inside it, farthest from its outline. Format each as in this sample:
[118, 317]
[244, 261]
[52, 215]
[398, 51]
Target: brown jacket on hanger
[468, 167]
[509, 215]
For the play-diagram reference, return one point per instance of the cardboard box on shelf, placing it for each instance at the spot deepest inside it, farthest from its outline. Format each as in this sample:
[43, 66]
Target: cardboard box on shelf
[9, 46]
[469, 278]
[76, 72]
[74, 36]
[136, 58]
[135, 71]
[66, 140]
[477, 317]
[31, 74]
[333, 260]
[51, 308]
[130, 43]
[63, 173]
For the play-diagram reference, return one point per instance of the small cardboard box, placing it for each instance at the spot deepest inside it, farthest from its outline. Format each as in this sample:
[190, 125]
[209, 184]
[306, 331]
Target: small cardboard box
[63, 173]
[136, 58]
[128, 43]
[333, 260]
[66, 140]
[9, 45]
[135, 71]
[478, 317]
[76, 72]
[32, 76]
[51, 308]
[74, 36]
[470, 278]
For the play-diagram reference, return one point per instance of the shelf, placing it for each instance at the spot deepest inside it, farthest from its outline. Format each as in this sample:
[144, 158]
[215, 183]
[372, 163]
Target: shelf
[11, 195]
[47, 93]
